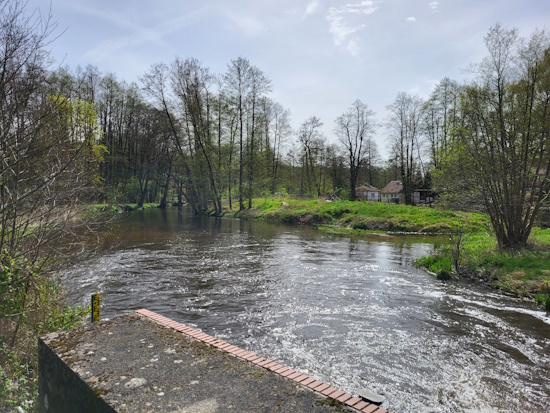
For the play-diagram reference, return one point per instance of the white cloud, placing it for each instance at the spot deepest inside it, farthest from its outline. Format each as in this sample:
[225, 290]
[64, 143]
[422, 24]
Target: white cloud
[312, 7]
[347, 20]
[434, 5]
[411, 19]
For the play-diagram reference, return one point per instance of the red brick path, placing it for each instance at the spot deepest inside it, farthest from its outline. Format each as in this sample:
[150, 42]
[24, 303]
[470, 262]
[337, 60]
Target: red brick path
[355, 403]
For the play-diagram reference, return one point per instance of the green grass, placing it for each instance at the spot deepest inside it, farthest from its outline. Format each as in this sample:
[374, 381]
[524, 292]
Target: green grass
[93, 209]
[365, 216]
[525, 272]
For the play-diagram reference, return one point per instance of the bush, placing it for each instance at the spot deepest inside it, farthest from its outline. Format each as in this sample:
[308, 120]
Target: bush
[30, 306]
[440, 265]
[543, 300]
[360, 225]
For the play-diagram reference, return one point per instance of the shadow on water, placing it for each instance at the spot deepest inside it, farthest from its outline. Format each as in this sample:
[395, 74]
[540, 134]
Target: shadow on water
[350, 311]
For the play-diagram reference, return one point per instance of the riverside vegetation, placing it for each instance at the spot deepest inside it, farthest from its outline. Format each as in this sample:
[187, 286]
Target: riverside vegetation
[31, 305]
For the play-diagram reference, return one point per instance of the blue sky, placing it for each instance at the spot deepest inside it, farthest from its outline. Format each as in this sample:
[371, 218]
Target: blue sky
[320, 55]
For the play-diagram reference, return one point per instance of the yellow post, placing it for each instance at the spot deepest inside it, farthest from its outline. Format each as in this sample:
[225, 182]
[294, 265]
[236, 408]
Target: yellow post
[95, 308]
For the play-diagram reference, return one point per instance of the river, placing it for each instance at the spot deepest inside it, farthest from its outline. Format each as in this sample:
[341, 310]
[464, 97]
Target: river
[352, 312]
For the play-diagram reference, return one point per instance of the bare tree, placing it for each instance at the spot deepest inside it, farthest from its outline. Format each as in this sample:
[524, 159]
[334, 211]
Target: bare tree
[354, 129]
[281, 131]
[237, 80]
[313, 144]
[155, 84]
[259, 86]
[191, 83]
[48, 141]
[49, 159]
[404, 126]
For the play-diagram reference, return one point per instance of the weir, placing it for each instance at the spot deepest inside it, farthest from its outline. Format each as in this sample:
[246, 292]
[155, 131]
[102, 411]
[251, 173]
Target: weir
[145, 362]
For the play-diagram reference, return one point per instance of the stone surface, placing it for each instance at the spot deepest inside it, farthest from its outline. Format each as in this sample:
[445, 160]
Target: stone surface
[147, 367]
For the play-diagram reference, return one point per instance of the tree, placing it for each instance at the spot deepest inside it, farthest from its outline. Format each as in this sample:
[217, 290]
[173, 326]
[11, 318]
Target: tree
[404, 126]
[259, 86]
[155, 84]
[49, 163]
[354, 129]
[191, 83]
[313, 145]
[502, 146]
[439, 118]
[237, 80]
[281, 131]
[48, 141]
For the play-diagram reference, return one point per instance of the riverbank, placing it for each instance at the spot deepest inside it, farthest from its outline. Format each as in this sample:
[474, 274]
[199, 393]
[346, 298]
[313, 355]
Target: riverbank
[94, 209]
[524, 273]
[361, 217]
[31, 304]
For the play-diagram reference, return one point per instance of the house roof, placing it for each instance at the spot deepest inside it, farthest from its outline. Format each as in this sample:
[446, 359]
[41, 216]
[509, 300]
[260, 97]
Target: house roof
[366, 188]
[394, 187]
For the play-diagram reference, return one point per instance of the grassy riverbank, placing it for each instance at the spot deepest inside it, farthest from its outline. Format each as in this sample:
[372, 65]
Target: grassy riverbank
[94, 209]
[477, 257]
[347, 216]
[525, 273]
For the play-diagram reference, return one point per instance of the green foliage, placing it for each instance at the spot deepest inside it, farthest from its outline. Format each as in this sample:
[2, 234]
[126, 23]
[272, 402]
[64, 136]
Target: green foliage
[525, 272]
[370, 216]
[543, 300]
[30, 305]
[65, 318]
[440, 265]
[13, 280]
[494, 159]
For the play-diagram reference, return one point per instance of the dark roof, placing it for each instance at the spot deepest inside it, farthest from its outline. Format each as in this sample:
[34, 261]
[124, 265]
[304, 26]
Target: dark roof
[366, 188]
[394, 187]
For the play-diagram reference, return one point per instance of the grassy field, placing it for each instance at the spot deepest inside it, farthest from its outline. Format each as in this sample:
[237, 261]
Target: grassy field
[364, 216]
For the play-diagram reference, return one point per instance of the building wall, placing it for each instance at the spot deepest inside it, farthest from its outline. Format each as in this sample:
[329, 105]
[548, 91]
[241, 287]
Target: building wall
[368, 196]
[393, 198]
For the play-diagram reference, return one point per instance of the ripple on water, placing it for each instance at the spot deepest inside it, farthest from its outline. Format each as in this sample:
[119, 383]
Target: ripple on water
[353, 313]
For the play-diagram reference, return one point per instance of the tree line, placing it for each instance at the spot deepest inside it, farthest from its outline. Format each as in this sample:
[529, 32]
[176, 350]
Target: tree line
[185, 134]
[198, 137]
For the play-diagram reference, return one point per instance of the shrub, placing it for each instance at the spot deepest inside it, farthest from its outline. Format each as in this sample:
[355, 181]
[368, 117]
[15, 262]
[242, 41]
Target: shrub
[360, 225]
[440, 265]
[30, 305]
[543, 300]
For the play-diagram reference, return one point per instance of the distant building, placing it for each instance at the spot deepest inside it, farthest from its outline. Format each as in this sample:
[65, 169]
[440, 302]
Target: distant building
[393, 192]
[367, 193]
[423, 196]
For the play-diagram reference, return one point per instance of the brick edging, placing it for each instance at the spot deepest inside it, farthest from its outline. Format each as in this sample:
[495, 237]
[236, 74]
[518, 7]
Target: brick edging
[326, 390]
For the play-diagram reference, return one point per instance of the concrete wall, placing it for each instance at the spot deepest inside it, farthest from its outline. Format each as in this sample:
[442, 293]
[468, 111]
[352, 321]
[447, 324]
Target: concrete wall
[60, 390]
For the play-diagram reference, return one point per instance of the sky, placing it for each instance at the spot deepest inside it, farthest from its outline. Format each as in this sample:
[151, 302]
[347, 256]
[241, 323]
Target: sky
[321, 55]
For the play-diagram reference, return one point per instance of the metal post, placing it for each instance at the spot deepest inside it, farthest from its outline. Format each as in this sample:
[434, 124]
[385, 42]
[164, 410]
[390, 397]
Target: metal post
[95, 308]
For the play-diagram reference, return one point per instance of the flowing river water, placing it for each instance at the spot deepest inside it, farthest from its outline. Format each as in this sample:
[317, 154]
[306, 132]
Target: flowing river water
[352, 312]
